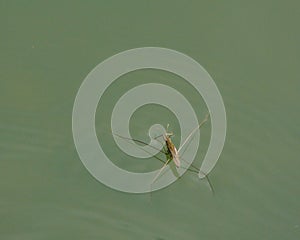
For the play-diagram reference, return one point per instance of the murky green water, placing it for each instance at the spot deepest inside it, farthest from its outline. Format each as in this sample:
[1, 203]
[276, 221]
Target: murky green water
[251, 49]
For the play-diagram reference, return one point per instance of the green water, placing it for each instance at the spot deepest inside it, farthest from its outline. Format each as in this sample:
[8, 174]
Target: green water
[250, 48]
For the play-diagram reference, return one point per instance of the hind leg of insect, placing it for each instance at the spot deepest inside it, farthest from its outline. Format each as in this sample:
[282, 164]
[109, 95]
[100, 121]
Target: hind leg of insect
[159, 172]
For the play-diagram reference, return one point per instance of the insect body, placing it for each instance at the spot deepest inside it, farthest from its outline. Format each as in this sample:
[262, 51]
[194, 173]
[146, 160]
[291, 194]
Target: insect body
[171, 150]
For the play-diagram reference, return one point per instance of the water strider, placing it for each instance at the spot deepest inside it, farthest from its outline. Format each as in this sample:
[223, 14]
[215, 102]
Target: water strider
[170, 151]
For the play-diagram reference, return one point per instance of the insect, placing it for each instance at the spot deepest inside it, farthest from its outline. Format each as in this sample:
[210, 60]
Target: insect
[171, 152]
